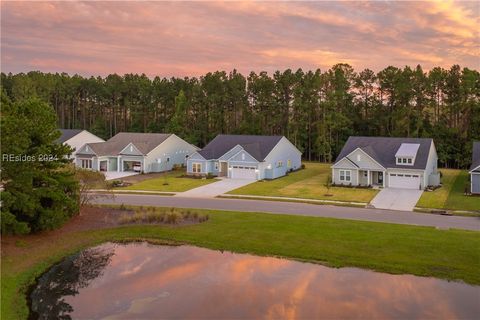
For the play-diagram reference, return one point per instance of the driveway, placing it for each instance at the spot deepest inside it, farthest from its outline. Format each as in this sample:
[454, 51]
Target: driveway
[114, 175]
[397, 199]
[303, 209]
[214, 189]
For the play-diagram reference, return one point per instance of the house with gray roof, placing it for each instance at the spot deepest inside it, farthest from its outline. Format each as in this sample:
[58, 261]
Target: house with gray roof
[246, 157]
[408, 163]
[76, 138]
[138, 152]
[475, 169]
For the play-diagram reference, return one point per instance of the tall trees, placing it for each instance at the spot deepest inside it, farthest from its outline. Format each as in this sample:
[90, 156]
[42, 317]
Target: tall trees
[315, 110]
[40, 192]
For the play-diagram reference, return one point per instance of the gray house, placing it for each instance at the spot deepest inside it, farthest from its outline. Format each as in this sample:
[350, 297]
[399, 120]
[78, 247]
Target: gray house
[475, 169]
[139, 152]
[246, 157]
[76, 138]
[409, 163]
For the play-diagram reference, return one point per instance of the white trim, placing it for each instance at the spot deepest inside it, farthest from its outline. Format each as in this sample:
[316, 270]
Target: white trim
[345, 175]
[358, 148]
[472, 171]
[133, 145]
[197, 164]
[348, 159]
[242, 150]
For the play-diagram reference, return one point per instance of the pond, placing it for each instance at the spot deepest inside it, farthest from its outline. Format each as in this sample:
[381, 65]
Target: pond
[144, 281]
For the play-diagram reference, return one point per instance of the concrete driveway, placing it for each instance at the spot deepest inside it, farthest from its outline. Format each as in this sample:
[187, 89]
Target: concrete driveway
[397, 199]
[114, 175]
[214, 189]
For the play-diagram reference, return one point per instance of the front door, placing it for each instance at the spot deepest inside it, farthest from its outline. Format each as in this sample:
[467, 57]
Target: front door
[380, 178]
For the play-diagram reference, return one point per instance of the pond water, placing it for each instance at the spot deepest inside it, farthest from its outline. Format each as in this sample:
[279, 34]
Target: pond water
[143, 281]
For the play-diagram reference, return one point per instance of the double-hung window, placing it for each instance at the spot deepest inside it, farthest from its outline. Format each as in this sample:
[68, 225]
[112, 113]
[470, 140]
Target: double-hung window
[345, 175]
[196, 167]
[86, 163]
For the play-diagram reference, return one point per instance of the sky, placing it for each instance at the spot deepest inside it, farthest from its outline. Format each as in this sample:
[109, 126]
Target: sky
[192, 38]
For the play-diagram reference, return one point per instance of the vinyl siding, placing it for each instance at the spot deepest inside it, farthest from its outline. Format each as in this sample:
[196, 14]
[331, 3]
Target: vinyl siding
[365, 161]
[174, 148]
[475, 182]
[283, 151]
[336, 177]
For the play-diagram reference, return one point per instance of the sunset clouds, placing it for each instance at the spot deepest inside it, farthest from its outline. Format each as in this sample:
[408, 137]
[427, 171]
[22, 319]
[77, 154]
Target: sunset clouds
[190, 39]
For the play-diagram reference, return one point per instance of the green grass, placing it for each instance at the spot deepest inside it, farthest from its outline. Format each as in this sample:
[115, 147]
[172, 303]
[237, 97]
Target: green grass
[451, 194]
[309, 184]
[397, 249]
[175, 183]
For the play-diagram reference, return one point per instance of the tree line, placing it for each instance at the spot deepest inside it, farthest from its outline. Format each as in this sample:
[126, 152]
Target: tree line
[315, 110]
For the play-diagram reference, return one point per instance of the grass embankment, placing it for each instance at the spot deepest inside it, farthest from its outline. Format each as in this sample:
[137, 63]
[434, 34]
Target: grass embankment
[451, 194]
[308, 183]
[448, 254]
[171, 181]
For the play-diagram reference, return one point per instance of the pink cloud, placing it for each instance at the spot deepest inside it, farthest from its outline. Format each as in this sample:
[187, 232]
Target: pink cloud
[190, 39]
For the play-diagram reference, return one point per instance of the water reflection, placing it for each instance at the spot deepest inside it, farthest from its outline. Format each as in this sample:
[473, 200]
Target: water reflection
[147, 281]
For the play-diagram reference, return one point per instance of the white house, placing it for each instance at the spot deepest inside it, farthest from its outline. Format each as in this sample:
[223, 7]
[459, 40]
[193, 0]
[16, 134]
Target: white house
[409, 163]
[76, 138]
[475, 169]
[139, 152]
[246, 157]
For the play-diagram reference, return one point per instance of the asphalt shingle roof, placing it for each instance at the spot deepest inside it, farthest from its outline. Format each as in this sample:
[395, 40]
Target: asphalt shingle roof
[257, 146]
[67, 134]
[475, 155]
[383, 150]
[144, 142]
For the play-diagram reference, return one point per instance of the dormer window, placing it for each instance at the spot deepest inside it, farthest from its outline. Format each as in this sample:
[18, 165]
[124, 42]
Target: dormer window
[406, 154]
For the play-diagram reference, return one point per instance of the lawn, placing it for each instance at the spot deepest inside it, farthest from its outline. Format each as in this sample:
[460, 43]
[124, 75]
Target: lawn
[451, 194]
[308, 183]
[175, 183]
[397, 249]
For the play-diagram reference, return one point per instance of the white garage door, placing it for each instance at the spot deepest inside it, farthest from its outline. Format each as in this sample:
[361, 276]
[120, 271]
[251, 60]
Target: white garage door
[404, 181]
[239, 172]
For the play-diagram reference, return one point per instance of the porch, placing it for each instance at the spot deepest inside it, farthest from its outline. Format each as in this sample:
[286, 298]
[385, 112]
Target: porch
[371, 178]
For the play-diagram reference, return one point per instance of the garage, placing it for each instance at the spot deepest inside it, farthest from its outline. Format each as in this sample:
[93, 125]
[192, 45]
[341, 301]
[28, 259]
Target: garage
[404, 181]
[239, 172]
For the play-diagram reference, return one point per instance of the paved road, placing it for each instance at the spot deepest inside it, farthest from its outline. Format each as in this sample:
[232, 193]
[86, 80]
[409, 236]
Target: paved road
[277, 207]
[397, 199]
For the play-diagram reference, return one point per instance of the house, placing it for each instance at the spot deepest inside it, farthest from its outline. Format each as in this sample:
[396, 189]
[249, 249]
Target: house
[139, 152]
[246, 157]
[408, 163]
[475, 169]
[76, 138]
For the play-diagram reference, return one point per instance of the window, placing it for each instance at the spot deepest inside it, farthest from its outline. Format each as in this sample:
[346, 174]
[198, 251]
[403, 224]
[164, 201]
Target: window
[404, 160]
[345, 175]
[289, 163]
[216, 166]
[86, 164]
[168, 159]
[279, 164]
[196, 167]
[409, 160]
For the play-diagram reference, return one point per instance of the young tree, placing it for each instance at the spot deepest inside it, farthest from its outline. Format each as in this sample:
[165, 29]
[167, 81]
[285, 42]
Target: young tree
[40, 189]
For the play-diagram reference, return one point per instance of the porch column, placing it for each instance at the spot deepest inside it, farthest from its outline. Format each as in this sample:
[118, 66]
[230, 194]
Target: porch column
[358, 177]
[368, 177]
[118, 164]
[383, 180]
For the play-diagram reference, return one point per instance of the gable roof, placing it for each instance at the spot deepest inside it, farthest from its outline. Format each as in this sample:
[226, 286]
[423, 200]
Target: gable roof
[257, 146]
[475, 155]
[67, 134]
[144, 142]
[383, 150]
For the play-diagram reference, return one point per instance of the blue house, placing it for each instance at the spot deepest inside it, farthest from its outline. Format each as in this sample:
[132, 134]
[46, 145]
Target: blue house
[246, 157]
[475, 169]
